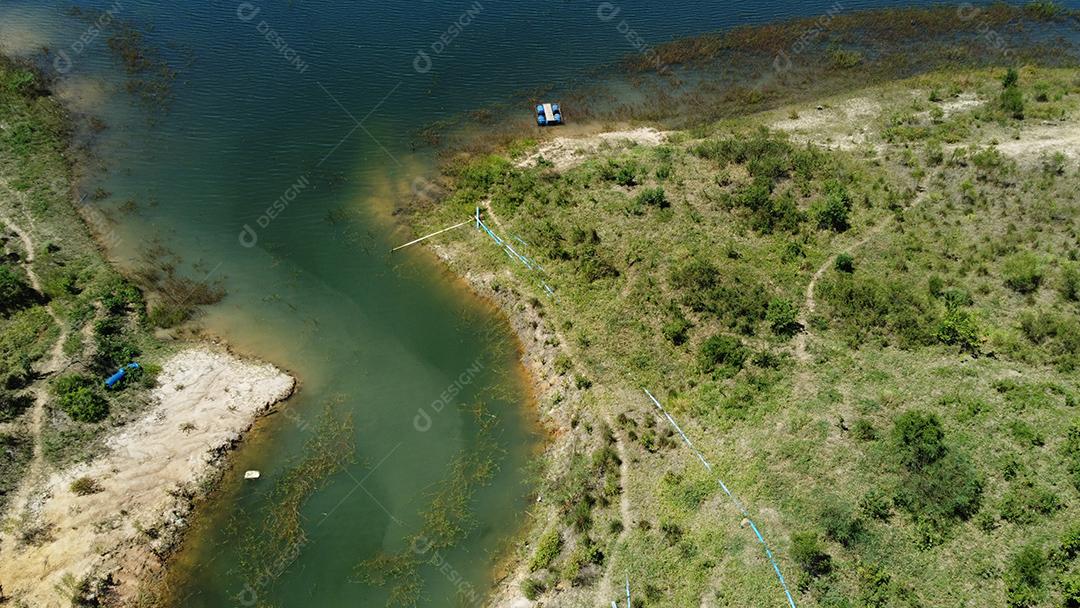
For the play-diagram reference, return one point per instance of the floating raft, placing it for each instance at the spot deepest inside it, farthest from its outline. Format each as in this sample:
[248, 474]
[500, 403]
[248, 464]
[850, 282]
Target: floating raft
[548, 115]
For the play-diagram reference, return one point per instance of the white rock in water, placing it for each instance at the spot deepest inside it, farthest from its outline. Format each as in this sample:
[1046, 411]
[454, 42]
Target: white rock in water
[251, 475]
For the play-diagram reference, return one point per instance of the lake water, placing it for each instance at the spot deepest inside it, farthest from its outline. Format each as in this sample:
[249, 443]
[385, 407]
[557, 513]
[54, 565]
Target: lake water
[285, 146]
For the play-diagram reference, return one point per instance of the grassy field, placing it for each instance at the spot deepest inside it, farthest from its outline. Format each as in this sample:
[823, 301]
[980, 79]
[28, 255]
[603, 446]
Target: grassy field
[863, 310]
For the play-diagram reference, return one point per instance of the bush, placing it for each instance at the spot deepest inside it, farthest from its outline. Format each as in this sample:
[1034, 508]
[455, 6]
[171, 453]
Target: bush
[958, 328]
[1071, 448]
[722, 351]
[1012, 102]
[677, 330]
[1069, 285]
[1010, 79]
[85, 486]
[807, 551]
[77, 395]
[14, 291]
[547, 550]
[1070, 590]
[876, 505]
[844, 263]
[532, 589]
[1026, 502]
[1023, 272]
[863, 430]
[948, 489]
[866, 305]
[832, 212]
[1024, 577]
[13, 404]
[840, 522]
[653, 197]
[919, 439]
[781, 317]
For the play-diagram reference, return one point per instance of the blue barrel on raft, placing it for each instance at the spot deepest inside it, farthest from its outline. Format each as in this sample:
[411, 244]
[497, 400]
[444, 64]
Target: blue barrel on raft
[548, 115]
[119, 375]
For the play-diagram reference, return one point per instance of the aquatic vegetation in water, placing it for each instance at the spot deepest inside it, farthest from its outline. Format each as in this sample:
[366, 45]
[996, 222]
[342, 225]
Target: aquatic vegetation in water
[270, 545]
[447, 520]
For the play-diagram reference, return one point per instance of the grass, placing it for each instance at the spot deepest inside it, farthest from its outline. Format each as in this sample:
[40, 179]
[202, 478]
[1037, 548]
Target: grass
[103, 313]
[922, 455]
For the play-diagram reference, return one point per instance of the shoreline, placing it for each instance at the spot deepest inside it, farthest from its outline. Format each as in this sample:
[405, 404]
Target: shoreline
[536, 361]
[827, 127]
[117, 538]
[104, 523]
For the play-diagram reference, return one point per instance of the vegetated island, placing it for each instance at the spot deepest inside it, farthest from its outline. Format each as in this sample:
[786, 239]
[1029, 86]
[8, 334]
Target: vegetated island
[861, 308]
[96, 485]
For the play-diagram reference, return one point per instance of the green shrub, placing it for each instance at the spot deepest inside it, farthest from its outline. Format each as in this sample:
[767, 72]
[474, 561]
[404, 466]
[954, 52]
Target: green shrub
[1012, 102]
[653, 197]
[1071, 449]
[1010, 79]
[13, 404]
[876, 504]
[1026, 501]
[77, 395]
[958, 328]
[844, 263]
[677, 330]
[863, 430]
[1070, 590]
[949, 489]
[807, 551]
[1069, 285]
[864, 305]
[547, 550]
[781, 317]
[840, 522]
[532, 589]
[833, 211]
[918, 438]
[1023, 272]
[15, 293]
[1024, 577]
[724, 351]
[84, 486]
[563, 363]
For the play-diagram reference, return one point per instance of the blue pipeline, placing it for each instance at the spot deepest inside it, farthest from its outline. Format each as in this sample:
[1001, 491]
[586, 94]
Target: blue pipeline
[736, 501]
[511, 252]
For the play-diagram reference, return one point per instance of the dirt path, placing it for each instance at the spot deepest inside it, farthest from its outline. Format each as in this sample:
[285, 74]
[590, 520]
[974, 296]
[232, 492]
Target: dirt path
[53, 363]
[802, 357]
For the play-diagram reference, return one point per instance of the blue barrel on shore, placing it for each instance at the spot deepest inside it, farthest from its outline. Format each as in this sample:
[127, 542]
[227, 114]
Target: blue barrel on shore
[119, 375]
